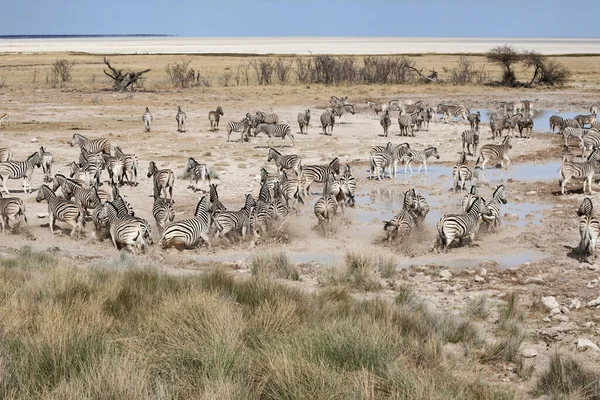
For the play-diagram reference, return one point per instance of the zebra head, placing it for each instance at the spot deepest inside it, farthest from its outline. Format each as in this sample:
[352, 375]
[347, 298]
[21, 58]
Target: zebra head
[220, 110]
[586, 208]
[434, 152]
[500, 194]
[349, 107]
[147, 110]
[191, 164]
[479, 206]
[347, 170]
[151, 169]
[42, 193]
[507, 141]
[272, 154]
[76, 139]
[35, 159]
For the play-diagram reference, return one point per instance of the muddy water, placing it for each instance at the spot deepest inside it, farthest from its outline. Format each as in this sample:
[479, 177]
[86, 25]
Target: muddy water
[541, 118]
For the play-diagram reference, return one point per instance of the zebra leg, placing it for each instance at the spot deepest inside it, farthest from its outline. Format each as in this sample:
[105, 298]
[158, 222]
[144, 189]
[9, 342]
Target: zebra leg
[206, 239]
[51, 218]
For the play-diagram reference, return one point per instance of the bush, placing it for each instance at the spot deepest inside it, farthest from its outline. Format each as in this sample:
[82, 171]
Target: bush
[275, 264]
[464, 73]
[180, 74]
[61, 70]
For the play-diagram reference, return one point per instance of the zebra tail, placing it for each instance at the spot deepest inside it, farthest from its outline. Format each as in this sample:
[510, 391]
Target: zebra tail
[561, 178]
[478, 159]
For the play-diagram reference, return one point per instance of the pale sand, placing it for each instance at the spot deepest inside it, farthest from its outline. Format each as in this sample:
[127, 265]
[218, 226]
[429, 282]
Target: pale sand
[294, 45]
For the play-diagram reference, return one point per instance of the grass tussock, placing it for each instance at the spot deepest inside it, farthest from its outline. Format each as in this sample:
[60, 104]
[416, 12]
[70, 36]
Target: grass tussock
[477, 308]
[360, 272]
[274, 264]
[510, 335]
[137, 333]
[567, 378]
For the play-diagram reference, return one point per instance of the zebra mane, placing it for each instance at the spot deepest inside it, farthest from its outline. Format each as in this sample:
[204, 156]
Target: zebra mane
[473, 190]
[201, 207]
[274, 151]
[477, 201]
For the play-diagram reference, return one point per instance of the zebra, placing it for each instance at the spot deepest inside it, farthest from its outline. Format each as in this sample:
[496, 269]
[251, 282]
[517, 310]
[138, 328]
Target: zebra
[264, 118]
[589, 142]
[319, 173]
[5, 154]
[420, 157]
[124, 230]
[474, 120]
[262, 214]
[394, 105]
[525, 124]
[188, 233]
[404, 222]
[10, 209]
[528, 106]
[277, 208]
[589, 229]
[596, 125]
[458, 226]
[516, 107]
[163, 213]
[429, 114]
[276, 130]
[469, 198]
[340, 111]
[325, 207]
[398, 152]
[20, 170]
[89, 173]
[268, 178]
[378, 162]
[585, 120]
[303, 121]
[578, 133]
[290, 161]
[510, 123]
[580, 171]
[241, 126]
[327, 119]
[130, 165]
[147, 119]
[389, 148]
[377, 107]
[569, 123]
[385, 122]
[411, 108]
[594, 110]
[86, 157]
[61, 210]
[351, 185]
[227, 221]
[461, 173]
[215, 203]
[198, 172]
[556, 121]
[493, 205]
[490, 152]
[84, 197]
[566, 155]
[100, 145]
[450, 111]
[164, 179]
[214, 117]
[4, 120]
[404, 122]
[335, 101]
[180, 118]
[122, 206]
[470, 138]
[46, 161]
[66, 185]
[290, 190]
[115, 168]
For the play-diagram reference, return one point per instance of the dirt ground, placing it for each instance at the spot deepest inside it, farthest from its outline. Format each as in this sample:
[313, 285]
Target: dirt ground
[531, 254]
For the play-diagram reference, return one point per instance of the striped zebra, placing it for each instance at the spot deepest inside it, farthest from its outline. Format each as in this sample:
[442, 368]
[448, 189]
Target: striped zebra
[327, 120]
[268, 178]
[394, 105]
[264, 118]
[46, 161]
[410, 108]
[147, 119]
[578, 133]
[489, 152]
[340, 111]
[594, 109]
[12, 211]
[404, 222]
[325, 207]
[596, 125]
[556, 121]
[338, 101]
[89, 173]
[378, 162]
[303, 121]
[66, 185]
[180, 118]
[289, 161]
[589, 142]
[228, 221]
[528, 106]
[510, 123]
[470, 138]
[428, 116]
[61, 210]
[566, 155]
[277, 208]
[100, 145]
[84, 197]
[422, 208]
[493, 205]
[449, 111]
[125, 231]
[469, 198]
[580, 171]
[187, 233]
[569, 123]
[399, 151]
[459, 226]
[242, 126]
[585, 120]
[474, 120]
[215, 203]
[274, 130]
[261, 215]
[461, 173]
[4, 120]
[5, 154]
[419, 157]
[377, 107]
[163, 179]
[85, 157]
[20, 170]
[214, 117]
[412, 121]
[122, 206]
[516, 106]
[589, 229]
[163, 213]
[115, 168]
[130, 165]
[388, 148]
[350, 182]
[198, 172]
[385, 122]
[319, 173]
[525, 124]
[291, 191]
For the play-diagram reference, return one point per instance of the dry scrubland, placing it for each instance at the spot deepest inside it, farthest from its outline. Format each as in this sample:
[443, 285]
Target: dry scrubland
[80, 320]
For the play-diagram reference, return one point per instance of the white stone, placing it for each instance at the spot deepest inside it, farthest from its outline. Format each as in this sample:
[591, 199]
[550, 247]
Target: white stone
[483, 272]
[592, 267]
[564, 309]
[560, 318]
[533, 280]
[555, 311]
[594, 303]
[479, 278]
[575, 304]
[550, 303]
[584, 344]
[445, 275]
[529, 353]
[589, 324]
[531, 193]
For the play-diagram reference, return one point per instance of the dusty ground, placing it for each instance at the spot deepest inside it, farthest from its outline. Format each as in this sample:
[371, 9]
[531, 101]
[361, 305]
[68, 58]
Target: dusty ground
[530, 255]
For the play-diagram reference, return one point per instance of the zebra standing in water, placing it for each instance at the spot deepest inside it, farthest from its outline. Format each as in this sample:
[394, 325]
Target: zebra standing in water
[46, 161]
[461, 173]
[385, 122]
[319, 173]
[351, 185]
[100, 145]
[469, 198]
[420, 157]
[276, 130]
[303, 121]
[556, 121]
[490, 152]
[378, 162]
[499, 197]
[180, 118]
[289, 161]
[327, 120]
[198, 172]
[449, 111]
[187, 234]
[10, 209]
[525, 124]
[61, 210]
[5, 154]
[580, 171]
[404, 222]
[214, 117]
[589, 229]
[227, 221]
[20, 170]
[242, 126]
[459, 226]
[130, 165]
[470, 138]
[163, 179]
[147, 118]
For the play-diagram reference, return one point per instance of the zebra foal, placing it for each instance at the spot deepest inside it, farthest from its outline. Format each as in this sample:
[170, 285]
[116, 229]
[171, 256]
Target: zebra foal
[303, 121]
[214, 117]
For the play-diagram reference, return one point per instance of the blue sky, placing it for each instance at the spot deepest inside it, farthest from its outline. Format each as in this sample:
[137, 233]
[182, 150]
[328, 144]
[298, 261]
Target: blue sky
[499, 18]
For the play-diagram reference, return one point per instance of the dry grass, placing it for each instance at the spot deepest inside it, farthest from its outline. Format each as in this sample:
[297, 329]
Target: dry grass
[136, 333]
[567, 378]
[273, 264]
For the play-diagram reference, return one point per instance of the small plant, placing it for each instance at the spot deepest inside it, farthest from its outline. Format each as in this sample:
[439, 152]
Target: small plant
[274, 264]
[61, 70]
[477, 308]
[568, 378]
[180, 74]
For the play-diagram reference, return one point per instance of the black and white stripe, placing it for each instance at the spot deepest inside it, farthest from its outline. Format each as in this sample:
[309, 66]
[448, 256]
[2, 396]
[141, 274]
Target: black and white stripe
[188, 233]
[578, 133]
[214, 118]
[319, 173]
[130, 165]
[474, 120]
[12, 211]
[115, 168]
[350, 182]
[264, 118]
[5, 154]
[180, 118]
[378, 162]
[85, 157]
[325, 207]
[459, 226]
[490, 152]
[404, 222]
[46, 161]
[163, 179]
[303, 121]
[580, 171]
[20, 170]
[493, 205]
[88, 173]
[377, 107]
[130, 232]
[461, 173]
[556, 121]
[62, 210]
[163, 213]
[291, 191]
[274, 130]
[228, 221]
[242, 126]
[283, 162]
[198, 172]
[215, 203]
[147, 118]
[419, 157]
[449, 111]
[100, 145]
[589, 229]
[470, 138]
[585, 120]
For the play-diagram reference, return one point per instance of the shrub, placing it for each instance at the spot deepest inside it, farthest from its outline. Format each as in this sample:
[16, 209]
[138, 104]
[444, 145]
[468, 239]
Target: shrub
[274, 264]
[180, 74]
[567, 378]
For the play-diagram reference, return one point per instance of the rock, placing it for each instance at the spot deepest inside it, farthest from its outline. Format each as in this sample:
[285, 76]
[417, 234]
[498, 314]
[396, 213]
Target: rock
[34, 140]
[533, 280]
[594, 303]
[531, 193]
[564, 310]
[42, 215]
[593, 283]
[589, 324]
[560, 318]
[550, 303]
[529, 353]
[575, 304]
[584, 344]
[483, 272]
[445, 275]
[555, 311]
[547, 319]
[479, 278]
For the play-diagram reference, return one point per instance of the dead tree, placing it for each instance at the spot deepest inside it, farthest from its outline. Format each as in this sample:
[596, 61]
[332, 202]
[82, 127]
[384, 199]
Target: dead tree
[123, 79]
[433, 77]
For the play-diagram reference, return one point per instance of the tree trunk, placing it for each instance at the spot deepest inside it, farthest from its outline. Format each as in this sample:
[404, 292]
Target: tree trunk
[122, 79]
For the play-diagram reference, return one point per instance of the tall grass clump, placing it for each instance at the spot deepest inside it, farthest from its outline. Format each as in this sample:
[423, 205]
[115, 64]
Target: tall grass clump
[510, 335]
[275, 264]
[477, 308]
[359, 272]
[567, 378]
